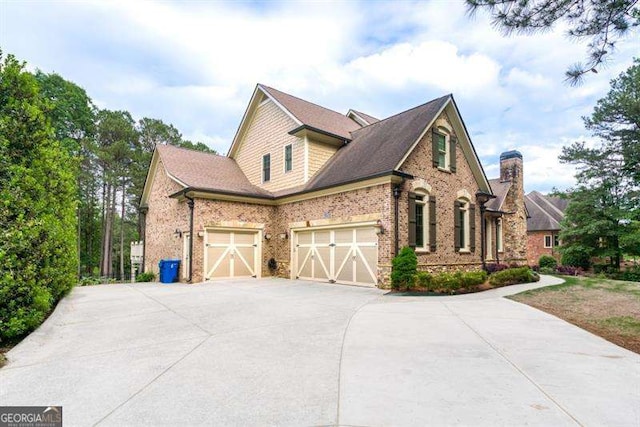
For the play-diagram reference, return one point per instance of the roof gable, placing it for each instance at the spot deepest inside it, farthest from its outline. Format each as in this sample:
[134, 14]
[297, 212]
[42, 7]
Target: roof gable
[500, 190]
[545, 212]
[362, 118]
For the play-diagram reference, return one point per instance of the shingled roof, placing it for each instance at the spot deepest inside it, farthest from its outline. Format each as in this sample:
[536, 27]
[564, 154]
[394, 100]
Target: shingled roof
[314, 116]
[383, 145]
[206, 171]
[545, 212]
[500, 190]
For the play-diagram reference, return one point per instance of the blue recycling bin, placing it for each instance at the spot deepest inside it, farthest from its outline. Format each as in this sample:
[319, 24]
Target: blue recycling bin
[169, 270]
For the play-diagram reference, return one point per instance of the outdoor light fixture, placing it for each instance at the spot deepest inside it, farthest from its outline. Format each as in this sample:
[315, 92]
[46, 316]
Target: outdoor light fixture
[267, 236]
[177, 233]
[379, 227]
[283, 236]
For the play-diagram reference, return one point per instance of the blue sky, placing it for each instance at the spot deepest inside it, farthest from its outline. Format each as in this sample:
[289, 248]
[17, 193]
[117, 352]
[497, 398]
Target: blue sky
[195, 64]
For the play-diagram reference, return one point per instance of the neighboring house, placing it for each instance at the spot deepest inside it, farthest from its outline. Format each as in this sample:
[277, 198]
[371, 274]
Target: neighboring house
[543, 225]
[306, 192]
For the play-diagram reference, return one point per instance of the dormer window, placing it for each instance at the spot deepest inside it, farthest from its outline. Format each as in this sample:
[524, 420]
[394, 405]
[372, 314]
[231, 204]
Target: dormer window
[444, 150]
[266, 168]
[288, 158]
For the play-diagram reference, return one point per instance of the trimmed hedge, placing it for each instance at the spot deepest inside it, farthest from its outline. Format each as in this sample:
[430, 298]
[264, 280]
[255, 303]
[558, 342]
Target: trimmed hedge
[513, 276]
[450, 282]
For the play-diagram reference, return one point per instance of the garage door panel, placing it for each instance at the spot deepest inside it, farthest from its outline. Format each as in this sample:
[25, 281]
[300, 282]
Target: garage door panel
[231, 254]
[346, 254]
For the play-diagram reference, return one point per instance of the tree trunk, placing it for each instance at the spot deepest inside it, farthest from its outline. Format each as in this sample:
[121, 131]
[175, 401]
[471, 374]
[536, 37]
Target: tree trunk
[122, 230]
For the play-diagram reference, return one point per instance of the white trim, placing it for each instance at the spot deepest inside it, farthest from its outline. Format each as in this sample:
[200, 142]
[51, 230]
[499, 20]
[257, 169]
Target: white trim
[357, 118]
[465, 224]
[550, 236]
[306, 158]
[262, 180]
[464, 194]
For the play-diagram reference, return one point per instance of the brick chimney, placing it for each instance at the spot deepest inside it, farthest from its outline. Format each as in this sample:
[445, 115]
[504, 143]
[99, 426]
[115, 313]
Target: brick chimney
[515, 217]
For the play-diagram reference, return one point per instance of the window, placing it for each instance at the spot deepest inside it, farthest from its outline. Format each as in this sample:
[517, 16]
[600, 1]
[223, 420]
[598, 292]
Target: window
[464, 226]
[288, 158]
[421, 227]
[556, 240]
[422, 222]
[444, 150]
[499, 234]
[547, 241]
[266, 168]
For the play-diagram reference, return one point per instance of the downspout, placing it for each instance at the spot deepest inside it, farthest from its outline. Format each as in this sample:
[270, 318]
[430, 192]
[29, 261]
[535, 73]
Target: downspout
[143, 235]
[396, 196]
[190, 203]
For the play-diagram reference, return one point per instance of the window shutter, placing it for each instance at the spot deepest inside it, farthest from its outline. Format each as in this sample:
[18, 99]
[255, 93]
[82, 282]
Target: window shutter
[456, 226]
[432, 223]
[452, 153]
[435, 153]
[472, 228]
[412, 220]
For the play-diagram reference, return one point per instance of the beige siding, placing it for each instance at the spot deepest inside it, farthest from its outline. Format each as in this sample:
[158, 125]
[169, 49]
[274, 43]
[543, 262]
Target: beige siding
[267, 133]
[318, 155]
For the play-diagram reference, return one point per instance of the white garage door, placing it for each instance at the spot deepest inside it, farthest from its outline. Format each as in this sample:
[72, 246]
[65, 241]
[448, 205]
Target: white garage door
[344, 255]
[231, 253]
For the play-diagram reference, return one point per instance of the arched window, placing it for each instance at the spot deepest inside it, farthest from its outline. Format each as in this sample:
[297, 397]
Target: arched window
[464, 226]
[422, 221]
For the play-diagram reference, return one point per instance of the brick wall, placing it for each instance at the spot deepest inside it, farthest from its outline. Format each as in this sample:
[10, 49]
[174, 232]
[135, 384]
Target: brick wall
[445, 187]
[165, 215]
[535, 246]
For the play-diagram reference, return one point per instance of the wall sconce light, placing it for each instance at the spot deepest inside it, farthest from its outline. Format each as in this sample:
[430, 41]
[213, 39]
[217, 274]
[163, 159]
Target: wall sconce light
[379, 227]
[267, 236]
[177, 233]
[283, 236]
[200, 233]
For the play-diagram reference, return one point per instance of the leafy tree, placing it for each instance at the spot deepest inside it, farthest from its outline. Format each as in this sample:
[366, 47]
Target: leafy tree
[607, 197]
[37, 205]
[602, 22]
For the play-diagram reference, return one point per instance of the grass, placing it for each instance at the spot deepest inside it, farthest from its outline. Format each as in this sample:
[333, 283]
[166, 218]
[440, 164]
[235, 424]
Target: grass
[608, 308]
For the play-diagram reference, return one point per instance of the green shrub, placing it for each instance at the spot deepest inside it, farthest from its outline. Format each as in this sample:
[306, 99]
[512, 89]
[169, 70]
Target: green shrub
[513, 276]
[547, 270]
[146, 277]
[575, 257]
[423, 279]
[452, 282]
[404, 268]
[89, 281]
[631, 274]
[547, 261]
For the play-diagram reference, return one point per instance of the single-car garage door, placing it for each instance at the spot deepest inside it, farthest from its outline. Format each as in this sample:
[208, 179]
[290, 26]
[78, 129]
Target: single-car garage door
[344, 255]
[231, 253]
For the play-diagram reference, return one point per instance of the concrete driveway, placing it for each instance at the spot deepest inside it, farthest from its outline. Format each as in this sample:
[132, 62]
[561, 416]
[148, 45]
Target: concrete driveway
[281, 352]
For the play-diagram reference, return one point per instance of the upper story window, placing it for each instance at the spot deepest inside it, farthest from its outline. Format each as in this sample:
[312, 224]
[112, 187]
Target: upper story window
[288, 158]
[464, 226]
[444, 150]
[266, 168]
[422, 221]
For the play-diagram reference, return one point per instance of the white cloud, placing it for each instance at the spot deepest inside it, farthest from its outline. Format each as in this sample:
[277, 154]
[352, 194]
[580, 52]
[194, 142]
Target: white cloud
[195, 64]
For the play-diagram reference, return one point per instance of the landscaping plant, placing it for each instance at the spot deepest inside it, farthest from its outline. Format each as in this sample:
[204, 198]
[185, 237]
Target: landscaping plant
[404, 268]
[513, 276]
[146, 277]
[547, 261]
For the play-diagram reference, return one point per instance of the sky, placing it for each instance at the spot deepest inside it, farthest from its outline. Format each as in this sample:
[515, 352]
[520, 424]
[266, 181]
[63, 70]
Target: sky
[195, 64]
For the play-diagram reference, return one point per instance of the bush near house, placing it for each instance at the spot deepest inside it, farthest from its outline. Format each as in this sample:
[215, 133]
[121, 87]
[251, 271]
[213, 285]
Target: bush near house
[404, 268]
[513, 276]
[547, 261]
[576, 257]
[450, 282]
[493, 268]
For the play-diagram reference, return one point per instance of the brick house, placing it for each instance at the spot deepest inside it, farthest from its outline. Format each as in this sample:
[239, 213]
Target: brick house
[306, 192]
[543, 225]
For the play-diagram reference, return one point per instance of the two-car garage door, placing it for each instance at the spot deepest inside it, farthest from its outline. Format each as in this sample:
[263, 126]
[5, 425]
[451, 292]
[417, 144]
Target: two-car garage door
[344, 255]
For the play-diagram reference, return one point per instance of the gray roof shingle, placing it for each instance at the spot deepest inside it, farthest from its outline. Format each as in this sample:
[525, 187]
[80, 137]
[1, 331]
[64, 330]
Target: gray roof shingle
[313, 115]
[206, 171]
[545, 212]
[500, 190]
[377, 148]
